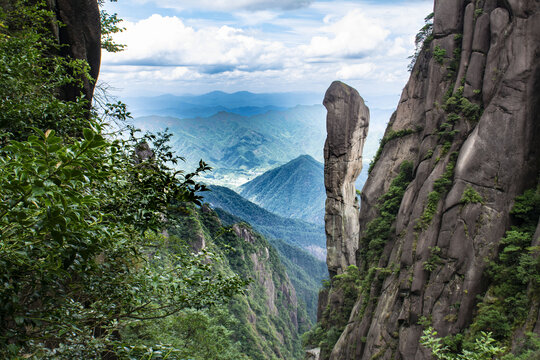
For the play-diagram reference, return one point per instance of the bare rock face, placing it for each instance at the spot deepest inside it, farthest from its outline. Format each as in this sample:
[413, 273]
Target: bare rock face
[469, 124]
[347, 125]
[313, 354]
[82, 35]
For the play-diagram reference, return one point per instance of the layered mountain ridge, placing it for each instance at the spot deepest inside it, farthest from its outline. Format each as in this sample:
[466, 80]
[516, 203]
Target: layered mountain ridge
[444, 227]
[294, 190]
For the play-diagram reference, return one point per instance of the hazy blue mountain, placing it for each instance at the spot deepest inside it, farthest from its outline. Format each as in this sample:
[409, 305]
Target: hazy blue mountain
[300, 244]
[294, 190]
[241, 103]
[241, 147]
[310, 237]
[242, 135]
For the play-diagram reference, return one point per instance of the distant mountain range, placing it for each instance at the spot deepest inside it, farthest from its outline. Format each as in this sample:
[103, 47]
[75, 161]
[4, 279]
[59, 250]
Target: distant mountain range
[308, 236]
[294, 190]
[241, 103]
[241, 147]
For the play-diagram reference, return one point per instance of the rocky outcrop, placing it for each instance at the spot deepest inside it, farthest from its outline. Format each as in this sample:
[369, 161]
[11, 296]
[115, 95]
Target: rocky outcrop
[81, 36]
[347, 126]
[468, 124]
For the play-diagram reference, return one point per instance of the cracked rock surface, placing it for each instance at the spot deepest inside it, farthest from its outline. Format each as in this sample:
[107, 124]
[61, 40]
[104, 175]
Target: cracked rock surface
[491, 52]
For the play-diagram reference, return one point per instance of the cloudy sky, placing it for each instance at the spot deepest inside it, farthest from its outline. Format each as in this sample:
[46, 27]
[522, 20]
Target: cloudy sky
[197, 46]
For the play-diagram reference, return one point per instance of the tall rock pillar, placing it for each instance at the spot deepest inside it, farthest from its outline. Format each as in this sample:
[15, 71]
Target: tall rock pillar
[347, 126]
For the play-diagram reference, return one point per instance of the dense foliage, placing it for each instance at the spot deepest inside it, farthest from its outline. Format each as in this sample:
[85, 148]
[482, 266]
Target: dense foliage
[264, 323]
[81, 251]
[346, 287]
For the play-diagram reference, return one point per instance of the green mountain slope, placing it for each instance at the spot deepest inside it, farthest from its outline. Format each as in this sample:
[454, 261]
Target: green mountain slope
[265, 322]
[294, 190]
[305, 271]
[310, 237]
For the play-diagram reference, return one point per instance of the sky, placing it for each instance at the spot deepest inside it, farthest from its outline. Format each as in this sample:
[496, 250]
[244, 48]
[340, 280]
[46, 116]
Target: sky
[198, 46]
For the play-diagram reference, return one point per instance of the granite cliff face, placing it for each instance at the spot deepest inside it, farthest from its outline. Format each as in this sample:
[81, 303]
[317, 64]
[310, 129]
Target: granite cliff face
[82, 34]
[443, 192]
[347, 126]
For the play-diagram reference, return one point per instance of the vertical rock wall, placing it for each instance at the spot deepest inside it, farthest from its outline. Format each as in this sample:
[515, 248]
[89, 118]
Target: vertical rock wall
[81, 36]
[347, 126]
[467, 119]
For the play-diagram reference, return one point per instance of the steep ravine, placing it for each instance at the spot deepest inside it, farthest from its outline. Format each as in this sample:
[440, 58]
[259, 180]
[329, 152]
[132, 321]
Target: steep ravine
[435, 211]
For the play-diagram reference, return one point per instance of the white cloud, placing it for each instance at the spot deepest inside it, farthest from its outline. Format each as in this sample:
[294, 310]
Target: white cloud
[256, 17]
[352, 36]
[398, 47]
[365, 43]
[229, 5]
[167, 41]
[355, 71]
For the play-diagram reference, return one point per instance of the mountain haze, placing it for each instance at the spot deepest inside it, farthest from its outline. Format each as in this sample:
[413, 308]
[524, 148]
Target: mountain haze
[241, 147]
[308, 236]
[241, 103]
[294, 190]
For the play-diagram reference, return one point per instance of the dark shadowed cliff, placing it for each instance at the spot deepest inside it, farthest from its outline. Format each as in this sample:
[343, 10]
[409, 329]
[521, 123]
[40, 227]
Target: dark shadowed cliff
[445, 234]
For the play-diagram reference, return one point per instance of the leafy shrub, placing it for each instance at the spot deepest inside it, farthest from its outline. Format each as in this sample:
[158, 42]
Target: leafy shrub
[81, 213]
[507, 303]
[484, 348]
[439, 54]
[470, 196]
[440, 187]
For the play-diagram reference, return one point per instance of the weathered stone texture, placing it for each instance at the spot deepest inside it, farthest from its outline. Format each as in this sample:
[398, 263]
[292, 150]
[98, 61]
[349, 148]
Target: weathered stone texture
[347, 125]
[82, 34]
[497, 155]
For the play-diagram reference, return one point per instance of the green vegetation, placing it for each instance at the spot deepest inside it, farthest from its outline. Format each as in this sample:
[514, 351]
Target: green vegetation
[471, 196]
[305, 271]
[515, 281]
[439, 54]
[391, 135]
[440, 187]
[485, 347]
[506, 304]
[334, 319]
[306, 274]
[456, 105]
[434, 259]
[264, 323]
[378, 231]
[478, 12]
[82, 255]
[422, 39]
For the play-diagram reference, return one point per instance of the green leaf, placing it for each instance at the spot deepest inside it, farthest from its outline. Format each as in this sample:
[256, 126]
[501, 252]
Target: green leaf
[88, 134]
